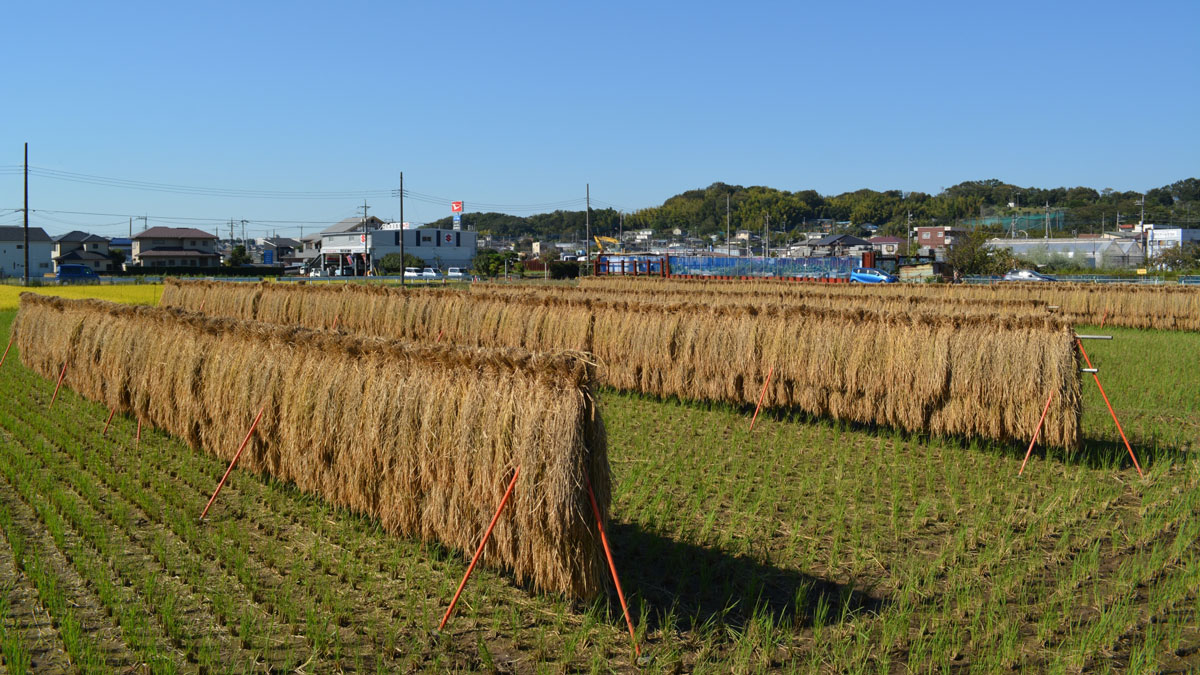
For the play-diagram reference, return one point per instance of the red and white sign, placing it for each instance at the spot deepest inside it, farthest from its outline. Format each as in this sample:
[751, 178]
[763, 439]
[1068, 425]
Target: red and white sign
[362, 238]
[449, 238]
[455, 207]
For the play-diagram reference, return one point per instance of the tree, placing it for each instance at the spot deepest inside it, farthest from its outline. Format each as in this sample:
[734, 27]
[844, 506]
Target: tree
[117, 256]
[238, 257]
[491, 263]
[971, 255]
[392, 263]
[1178, 258]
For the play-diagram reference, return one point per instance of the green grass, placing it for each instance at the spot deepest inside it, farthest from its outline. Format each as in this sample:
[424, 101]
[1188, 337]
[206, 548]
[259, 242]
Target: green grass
[801, 546]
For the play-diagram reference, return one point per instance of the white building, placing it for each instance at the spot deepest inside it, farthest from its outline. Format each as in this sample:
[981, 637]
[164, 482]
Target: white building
[438, 248]
[12, 252]
[1159, 239]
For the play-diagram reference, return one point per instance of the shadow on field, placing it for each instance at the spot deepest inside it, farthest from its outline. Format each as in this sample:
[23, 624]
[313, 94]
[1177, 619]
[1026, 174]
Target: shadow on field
[697, 586]
[1094, 452]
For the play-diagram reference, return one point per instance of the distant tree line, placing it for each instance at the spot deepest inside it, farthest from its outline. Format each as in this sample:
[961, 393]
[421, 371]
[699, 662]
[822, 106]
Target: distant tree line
[703, 212]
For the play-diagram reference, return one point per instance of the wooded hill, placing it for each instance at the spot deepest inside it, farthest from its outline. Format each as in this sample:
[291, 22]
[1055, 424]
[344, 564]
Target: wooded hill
[702, 212]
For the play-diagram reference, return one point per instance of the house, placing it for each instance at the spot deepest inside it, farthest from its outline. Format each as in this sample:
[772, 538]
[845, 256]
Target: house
[886, 245]
[175, 247]
[354, 225]
[122, 244]
[278, 249]
[12, 252]
[81, 248]
[836, 245]
[941, 236]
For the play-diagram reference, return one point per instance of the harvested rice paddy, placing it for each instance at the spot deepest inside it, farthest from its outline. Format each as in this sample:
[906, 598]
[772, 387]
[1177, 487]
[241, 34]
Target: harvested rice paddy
[805, 545]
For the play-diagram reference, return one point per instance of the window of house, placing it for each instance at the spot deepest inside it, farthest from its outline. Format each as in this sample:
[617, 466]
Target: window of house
[192, 262]
[43, 265]
[20, 246]
[924, 235]
[192, 243]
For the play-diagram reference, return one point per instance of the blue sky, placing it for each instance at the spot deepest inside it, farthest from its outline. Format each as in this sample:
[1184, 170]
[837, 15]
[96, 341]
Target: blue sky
[521, 106]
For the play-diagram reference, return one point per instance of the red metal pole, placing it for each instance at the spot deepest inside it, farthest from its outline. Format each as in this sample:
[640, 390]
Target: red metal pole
[612, 567]
[235, 459]
[1036, 431]
[1102, 320]
[335, 321]
[479, 551]
[11, 335]
[137, 440]
[62, 373]
[762, 396]
[108, 421]
[1110, 408]
[439, 337]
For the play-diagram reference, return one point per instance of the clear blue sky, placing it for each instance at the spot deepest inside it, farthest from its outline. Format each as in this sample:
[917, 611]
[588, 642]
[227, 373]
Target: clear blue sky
[497, 105]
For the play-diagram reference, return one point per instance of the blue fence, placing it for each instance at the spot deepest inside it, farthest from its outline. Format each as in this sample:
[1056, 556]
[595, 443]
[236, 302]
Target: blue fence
[712, 266]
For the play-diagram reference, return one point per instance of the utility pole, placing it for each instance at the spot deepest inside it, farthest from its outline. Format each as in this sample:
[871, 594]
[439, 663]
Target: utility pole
[231, 236]
[1047, 219]
[401, 228]
[728, 249]
[25, 211]
[364, 240]
[131, 231]
[587, 222]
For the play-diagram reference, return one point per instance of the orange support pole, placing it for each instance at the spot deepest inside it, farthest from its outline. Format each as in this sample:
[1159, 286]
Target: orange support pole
[612, 568]
[335, 321]
[1102, 320]
[479, 551]
[108, 421]
[235, 459]
[1036, 431]
[11, 335]
[761, 396]
[62, 373]
[137, 440]
[439, 337]
[1110, 408]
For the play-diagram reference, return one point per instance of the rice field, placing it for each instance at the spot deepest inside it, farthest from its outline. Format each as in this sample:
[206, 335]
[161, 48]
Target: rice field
[130, 294]
[805, 545]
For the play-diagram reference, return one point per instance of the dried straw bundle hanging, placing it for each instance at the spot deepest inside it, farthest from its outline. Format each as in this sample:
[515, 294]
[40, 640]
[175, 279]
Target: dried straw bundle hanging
[423, 437]
[974, 376]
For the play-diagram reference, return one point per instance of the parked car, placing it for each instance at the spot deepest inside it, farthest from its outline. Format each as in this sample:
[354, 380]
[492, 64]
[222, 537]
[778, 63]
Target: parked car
[411, 273]
[1027, 275]
[430, 273]
[870, 275]
[457, 273]
[76, 274]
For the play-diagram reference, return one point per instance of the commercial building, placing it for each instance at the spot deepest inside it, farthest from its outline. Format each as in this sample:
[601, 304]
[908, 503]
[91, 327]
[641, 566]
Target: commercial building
[436, 247]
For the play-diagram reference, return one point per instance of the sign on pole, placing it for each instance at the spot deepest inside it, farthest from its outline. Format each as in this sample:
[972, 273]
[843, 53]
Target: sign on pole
[456, 207]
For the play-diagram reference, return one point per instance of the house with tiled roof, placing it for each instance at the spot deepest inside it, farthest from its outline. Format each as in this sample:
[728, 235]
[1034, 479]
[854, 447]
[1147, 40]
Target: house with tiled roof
[81, 248]
[182, 247]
